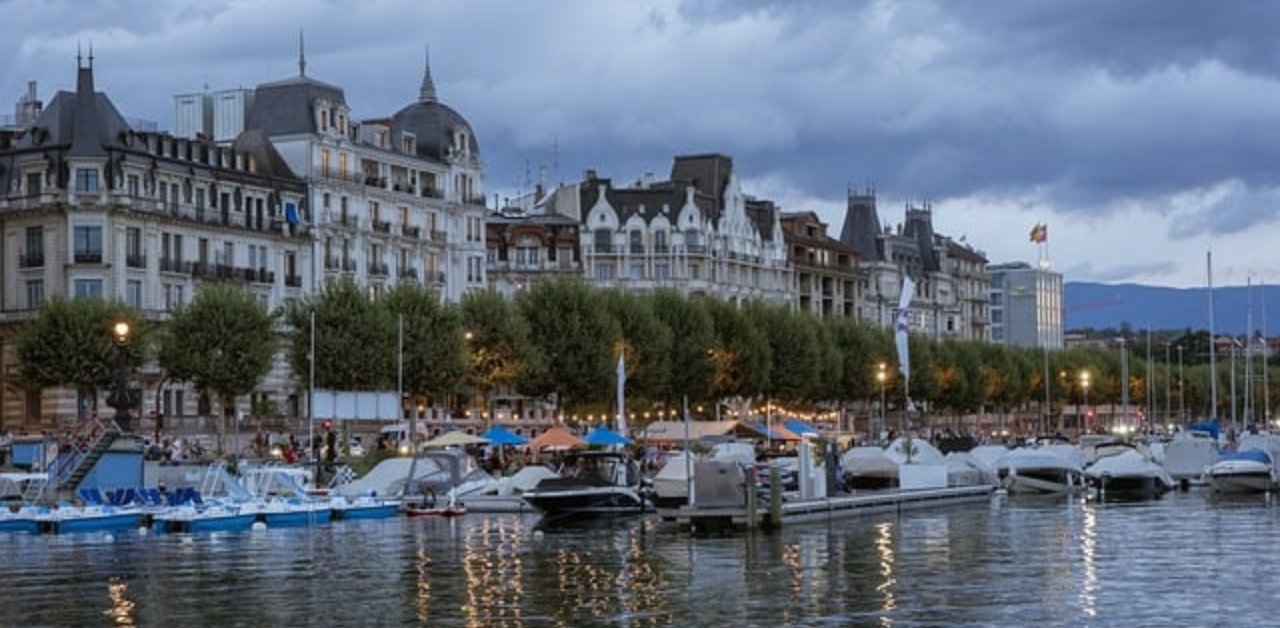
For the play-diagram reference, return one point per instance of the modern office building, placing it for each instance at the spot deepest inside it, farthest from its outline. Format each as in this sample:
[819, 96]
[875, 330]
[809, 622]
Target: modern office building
[1026, 305]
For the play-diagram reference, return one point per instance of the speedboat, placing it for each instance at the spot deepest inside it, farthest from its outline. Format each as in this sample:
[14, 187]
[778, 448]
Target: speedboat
[281, 501]
[200, 517]
[1121, 471]
[26, 518]
[1240, 472]
[592, 484]
[363, 507]
[1047, 469]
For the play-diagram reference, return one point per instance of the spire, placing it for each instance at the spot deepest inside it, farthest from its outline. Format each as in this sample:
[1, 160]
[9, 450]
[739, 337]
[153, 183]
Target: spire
[302, 54]
[428, 91]
[86, 140]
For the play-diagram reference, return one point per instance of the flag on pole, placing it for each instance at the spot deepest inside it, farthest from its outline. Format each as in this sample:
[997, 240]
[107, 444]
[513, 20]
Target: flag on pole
[622, 383]
[902, 325]
[1040, 233]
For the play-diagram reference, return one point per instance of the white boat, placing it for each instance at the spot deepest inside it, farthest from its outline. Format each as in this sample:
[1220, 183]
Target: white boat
[869, 468]
[1241, 472]
[279, 500]
[965, 469]
[1046, 469]
[213, 517]
[1122, 471]
[1189, 453]
[592, 484]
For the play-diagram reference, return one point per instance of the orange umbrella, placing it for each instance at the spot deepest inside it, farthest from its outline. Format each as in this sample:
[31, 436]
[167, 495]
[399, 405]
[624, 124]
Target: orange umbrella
[555, 439]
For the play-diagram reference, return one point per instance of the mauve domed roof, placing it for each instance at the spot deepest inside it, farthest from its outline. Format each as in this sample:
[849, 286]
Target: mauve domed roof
[434, 124]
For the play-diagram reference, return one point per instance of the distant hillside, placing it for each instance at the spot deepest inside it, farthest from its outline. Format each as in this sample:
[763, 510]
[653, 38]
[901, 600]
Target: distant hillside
[1102, 306]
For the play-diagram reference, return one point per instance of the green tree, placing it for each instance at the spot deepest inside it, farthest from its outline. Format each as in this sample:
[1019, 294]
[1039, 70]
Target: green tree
[435, 358]
[572, 331]
[795, 351]
[647, 344]
[693, 368]
[222, 342]
[69, 343]
[741, 352]
[498, 350]
[355, 340]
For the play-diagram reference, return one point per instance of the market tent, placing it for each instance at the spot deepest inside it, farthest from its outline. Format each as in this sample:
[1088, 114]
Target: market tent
[555, 439]
[498, 435]
[605, 436]
[455, 438]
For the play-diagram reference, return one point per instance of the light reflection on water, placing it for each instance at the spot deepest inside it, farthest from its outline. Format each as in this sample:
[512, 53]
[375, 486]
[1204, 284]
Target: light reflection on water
[1013, 562]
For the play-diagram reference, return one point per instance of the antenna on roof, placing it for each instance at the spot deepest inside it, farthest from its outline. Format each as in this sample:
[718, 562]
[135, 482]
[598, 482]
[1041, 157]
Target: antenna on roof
[302, 54]
[555, 158]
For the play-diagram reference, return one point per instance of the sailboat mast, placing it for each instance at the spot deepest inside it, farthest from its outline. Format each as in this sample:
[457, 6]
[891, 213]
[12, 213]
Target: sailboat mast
[1266, 353]
[1248, 351]
[1213, 344]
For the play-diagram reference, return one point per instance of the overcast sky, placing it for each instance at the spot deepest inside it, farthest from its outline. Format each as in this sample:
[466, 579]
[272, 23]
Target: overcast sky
[1143, 132]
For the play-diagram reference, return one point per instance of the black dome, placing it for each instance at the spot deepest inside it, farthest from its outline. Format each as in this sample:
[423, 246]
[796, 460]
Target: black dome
[435, 125]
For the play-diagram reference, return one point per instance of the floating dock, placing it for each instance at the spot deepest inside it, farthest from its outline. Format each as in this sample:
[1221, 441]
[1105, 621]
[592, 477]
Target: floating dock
[826, 509]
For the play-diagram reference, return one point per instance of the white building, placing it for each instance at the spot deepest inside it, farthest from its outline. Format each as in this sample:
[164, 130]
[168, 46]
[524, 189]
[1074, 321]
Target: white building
[91, 207]
[696, 232]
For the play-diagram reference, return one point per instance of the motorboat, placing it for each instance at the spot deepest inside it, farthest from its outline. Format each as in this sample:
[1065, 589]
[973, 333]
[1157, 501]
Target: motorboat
[591, 484]
[280, 500]
[506, 494]
[24, 518]
[1189, 453]
[1240, 472]
[1123, 471]
[869, 468]
[201, 517]
[1044, 469]
[432, 475]
[363, 507]
[965, 469]
[876, 468]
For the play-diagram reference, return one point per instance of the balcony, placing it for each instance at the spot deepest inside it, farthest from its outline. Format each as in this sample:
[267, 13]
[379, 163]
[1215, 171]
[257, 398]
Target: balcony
[35, 260]
[432, 193]
[382, 226]
[349, 265]
[378, 270]
[637, 249]
[407, 273]
[332, 263]
[87, 258]
[135, 261]
[261, 276]
[603, 248]
[439, 236]
[293, 281]
[412, 232]
[476, 200]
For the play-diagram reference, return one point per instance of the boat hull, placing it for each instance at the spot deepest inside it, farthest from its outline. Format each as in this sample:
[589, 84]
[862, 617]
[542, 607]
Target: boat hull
[220, 523]
[359, 513]
[1240, 483]
[95, 523]
[598, 502]
[1051, 481]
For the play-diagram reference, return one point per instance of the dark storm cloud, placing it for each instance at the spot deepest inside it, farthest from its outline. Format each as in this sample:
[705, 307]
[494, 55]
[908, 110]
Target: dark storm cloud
[1086, 106]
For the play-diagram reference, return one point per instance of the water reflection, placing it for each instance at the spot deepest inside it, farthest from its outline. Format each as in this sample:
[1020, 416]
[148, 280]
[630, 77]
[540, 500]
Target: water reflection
[121, 609]
[1015, 563]
[884, 549]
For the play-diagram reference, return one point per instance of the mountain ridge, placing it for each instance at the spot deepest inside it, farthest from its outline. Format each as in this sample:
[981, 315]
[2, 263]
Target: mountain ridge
[1109, 306]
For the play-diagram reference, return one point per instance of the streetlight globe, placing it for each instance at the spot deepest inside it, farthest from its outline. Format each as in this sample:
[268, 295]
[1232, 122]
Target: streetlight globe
[121, 331]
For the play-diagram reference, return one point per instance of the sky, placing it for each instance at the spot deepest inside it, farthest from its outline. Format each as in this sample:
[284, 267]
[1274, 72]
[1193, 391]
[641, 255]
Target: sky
[1143, 132]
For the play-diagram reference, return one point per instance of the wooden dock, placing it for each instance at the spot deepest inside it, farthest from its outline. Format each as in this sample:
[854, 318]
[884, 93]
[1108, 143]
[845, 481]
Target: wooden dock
[702, 519]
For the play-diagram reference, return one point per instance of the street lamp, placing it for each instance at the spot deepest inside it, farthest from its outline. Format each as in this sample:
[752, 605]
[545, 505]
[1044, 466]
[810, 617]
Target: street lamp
[1084, 385]
[880, 377]
[119, 397]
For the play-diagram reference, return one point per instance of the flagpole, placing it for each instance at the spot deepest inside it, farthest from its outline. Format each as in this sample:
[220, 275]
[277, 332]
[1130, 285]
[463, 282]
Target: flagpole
[688, 458]
[311, 405]
[622, 384]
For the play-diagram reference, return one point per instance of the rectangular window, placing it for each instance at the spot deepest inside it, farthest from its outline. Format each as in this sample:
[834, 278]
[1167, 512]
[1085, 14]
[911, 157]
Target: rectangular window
[88, 244]
[133, 241]
[133, 294]
[604, 272]
[35, 293]
[132, 184]
[324, 161]
[33, 183]
[86, 180]
[88, 288]
[661, 271]
[35, 242]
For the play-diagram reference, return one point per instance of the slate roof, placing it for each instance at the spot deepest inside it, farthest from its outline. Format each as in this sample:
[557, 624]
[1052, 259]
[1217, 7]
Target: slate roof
[285, 107]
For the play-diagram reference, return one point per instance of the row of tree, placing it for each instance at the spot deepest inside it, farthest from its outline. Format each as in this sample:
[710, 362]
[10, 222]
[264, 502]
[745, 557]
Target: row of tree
[562, 340]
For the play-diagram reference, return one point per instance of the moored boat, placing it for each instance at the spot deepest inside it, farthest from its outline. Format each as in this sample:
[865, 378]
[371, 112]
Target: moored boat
[593, 484]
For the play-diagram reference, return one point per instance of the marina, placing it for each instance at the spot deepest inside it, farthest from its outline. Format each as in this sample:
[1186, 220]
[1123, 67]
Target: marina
[1002, 561]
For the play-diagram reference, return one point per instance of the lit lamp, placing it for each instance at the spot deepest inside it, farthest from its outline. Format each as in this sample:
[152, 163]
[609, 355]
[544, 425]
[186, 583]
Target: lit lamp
[880, 377]
[1084, 385]
[119, 397]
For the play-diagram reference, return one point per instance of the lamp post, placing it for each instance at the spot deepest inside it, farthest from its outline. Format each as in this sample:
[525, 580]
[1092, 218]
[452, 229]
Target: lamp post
[119, 397]
[880, 377]
[1084, 385]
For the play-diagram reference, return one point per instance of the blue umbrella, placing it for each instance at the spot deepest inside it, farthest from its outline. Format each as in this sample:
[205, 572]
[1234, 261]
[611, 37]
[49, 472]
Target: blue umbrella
[498, 435]
[605, 436]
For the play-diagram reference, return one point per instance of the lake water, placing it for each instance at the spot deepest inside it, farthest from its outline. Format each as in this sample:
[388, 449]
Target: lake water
[1185, 560]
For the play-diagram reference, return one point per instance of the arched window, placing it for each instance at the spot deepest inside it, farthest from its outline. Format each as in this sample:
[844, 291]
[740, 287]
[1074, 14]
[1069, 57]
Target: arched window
[660, 241]
[603, 241]
[637, 241]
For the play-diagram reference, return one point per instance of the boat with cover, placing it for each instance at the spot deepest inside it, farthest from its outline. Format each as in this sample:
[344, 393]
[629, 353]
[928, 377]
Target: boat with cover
[1043, 469]
[1191, 451]
[591, 484]
[1241, 472]
[1122, 471]
[282, 501]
